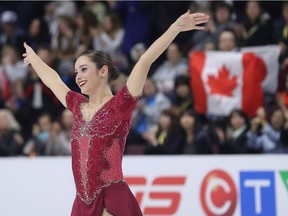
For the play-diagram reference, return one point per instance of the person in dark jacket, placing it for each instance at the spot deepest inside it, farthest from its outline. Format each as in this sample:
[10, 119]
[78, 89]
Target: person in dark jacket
[256, 24]
[168, 137]
[188, 121]
[236, 133]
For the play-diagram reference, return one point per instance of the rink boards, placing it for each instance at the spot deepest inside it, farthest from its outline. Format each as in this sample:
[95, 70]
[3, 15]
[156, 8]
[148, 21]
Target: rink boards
[166, 185]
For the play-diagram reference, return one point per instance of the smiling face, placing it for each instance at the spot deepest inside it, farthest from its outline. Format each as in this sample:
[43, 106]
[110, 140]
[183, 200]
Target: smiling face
[88, 76]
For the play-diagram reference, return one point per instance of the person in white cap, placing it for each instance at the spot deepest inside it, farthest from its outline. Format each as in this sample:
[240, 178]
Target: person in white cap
[12, 35]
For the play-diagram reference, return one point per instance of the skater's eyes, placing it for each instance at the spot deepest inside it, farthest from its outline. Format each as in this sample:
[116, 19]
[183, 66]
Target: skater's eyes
[83, 69]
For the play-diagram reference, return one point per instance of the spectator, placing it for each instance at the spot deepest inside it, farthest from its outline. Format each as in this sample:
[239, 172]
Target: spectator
[167, 138]
[228, 40]
[181, 97]
[39, 97]
[88, 27]
[211, 138]
[110, 41]
[236, 133]
[12, 35]
[26, 11]
[59, 143]
[174, 66]
[17, 104]
[11, 141]
[98, 8]
[282, 96]
[5, 89]
[41, 136]
[47, 55]
[56, 9]
[256, 25]
[38, 33]
[281, 35]
[12, 65]
[188, 122]
[222, 19]
[147, 112]
[65, 44]
[266, 136]
[209, 45]
[284, 133]
[135, 53]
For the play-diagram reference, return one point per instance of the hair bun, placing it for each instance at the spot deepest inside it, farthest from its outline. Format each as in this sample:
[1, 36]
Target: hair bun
[114, 73]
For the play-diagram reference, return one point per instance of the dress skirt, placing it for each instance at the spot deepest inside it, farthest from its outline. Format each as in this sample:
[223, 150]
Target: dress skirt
[117, 199]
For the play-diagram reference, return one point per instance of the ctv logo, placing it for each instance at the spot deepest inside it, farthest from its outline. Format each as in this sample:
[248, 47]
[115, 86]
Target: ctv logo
[167, 189]
[257, 194]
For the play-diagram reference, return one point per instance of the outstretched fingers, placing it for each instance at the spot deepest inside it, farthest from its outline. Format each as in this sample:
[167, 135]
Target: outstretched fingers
[199, 27]
[201, 21]
[199, 15]
[200, 18]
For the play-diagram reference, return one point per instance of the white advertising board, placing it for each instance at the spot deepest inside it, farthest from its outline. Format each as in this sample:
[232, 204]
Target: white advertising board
[163, 185]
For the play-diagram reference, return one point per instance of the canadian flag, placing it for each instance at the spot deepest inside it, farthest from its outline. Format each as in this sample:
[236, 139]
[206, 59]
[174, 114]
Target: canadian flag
[270, 56]
[223, 81]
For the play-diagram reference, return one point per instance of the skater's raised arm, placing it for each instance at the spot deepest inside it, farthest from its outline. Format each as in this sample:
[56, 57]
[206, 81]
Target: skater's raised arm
[49, 76]
[185, 22]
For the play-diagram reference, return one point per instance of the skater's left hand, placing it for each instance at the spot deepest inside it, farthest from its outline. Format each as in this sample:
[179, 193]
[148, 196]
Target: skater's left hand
[188, 21]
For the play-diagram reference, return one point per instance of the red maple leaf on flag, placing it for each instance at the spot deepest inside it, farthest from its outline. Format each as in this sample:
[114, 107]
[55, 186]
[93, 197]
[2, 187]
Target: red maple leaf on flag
[223, 84]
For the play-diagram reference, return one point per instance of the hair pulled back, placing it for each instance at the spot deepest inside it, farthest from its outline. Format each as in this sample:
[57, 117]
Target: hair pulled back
[100, 59]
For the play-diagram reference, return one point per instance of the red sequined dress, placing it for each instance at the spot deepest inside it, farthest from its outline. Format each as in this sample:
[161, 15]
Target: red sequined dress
[97, 150]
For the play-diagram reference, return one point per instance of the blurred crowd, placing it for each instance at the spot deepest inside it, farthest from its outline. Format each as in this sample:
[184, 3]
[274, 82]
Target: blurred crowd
[34, 123]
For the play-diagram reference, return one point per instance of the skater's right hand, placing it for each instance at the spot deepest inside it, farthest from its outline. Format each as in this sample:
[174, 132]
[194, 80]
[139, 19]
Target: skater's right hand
[28, 55]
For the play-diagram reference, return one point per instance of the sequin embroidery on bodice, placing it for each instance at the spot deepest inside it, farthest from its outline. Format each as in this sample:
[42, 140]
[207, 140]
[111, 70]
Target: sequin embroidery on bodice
[98, 145]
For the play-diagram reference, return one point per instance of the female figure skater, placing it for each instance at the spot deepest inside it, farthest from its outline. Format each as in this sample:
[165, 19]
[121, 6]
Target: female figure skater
[102, 121]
